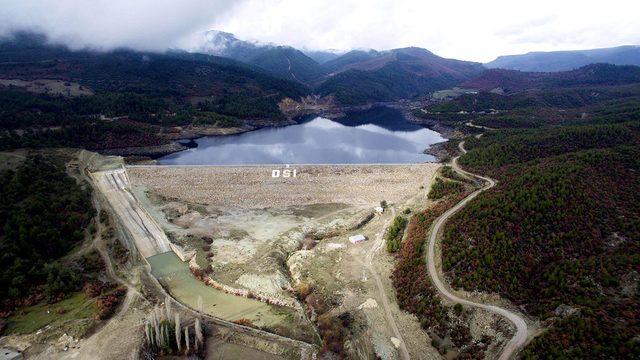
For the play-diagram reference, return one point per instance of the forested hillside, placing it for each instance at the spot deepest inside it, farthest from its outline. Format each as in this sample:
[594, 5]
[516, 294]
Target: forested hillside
[282, 61]
[389, 83]
[511, 81]
[347, 60]
[171, 74]
[539, 107]
[288, 63]
[140, 94]
[43, 213]
[559, 234]
[50, 280]
[360, 77]
[447, 326]
[41, 120]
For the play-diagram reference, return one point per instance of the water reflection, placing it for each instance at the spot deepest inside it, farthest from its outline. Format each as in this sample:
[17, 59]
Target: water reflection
[356, 139]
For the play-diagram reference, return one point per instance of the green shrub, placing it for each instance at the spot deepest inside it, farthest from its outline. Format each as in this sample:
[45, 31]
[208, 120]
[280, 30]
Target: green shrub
[394, 234]
[442, 188]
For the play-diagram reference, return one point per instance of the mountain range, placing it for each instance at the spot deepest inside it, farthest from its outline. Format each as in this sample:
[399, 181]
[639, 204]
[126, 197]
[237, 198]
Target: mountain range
[223, 65]
[354, 77]
[283, 61]
[567, 60]
[29, 57]
[358, 77]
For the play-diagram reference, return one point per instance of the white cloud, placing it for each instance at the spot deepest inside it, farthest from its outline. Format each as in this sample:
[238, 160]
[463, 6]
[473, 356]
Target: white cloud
[105, 24]
[470, 30]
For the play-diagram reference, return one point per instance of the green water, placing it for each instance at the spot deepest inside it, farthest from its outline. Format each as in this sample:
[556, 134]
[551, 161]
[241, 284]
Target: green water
[175, 275]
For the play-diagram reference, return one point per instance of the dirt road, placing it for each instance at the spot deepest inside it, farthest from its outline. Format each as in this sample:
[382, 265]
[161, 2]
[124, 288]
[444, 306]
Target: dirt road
[149, 238]
[108, 341]
[470, 124]
[381, 293]
[522, 332]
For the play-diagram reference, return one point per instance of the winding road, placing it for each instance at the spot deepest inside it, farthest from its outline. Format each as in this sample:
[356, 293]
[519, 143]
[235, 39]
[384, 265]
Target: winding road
[522, 331]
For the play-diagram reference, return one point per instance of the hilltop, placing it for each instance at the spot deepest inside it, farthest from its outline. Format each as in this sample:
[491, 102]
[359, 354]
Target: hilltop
[567, 60]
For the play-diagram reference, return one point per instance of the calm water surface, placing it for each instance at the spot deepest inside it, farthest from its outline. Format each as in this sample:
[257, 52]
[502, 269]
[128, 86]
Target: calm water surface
[175, 274]
[379, 135]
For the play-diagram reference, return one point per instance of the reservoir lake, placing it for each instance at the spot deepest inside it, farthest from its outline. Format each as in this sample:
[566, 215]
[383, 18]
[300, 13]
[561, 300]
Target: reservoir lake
[376, 136]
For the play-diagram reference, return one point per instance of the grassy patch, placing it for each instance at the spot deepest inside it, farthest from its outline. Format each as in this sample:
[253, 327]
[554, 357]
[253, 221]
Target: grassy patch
[32, 318]
[201, 259]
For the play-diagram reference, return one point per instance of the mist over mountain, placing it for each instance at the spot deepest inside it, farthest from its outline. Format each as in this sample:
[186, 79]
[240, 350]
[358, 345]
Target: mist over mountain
[322, 56]
[567, 60]
[175, 74]
[355, 77]
[283, 61]
[358, 76]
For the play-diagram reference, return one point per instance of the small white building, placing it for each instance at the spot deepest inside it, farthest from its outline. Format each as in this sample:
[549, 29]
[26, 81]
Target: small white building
[379, 209]
[356, 239]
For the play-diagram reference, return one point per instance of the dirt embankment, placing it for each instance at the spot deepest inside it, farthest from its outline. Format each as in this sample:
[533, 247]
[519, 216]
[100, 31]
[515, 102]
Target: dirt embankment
[268, 235]
[254, 187]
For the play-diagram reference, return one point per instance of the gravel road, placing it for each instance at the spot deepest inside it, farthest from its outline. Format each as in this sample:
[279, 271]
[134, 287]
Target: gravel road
[520, 337]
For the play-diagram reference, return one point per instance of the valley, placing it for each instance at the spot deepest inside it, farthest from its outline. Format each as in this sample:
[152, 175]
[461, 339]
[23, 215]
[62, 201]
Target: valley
[264, 240]
[223, 198]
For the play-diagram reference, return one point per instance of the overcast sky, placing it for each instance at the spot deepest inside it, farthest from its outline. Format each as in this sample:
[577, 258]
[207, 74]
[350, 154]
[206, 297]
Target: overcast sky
[468, 30]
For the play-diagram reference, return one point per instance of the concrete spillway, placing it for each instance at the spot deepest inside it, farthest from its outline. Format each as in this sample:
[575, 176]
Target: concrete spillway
[147, 235]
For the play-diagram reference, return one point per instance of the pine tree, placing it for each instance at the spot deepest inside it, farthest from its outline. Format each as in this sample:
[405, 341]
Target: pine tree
[167, 303]
[198, 329]
[186, 337]
[177, 331]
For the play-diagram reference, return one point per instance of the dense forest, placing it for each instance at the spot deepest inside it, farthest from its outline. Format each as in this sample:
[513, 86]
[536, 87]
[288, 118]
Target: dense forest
[113, 120]
[536, 108]
[560, 233]
[441, 188]
[497, 149]
[126, 98]
[43, 213]
[358, 86]
[360, 77]
[167, 75]
[447, 326]
[389, 83]
[512, 81]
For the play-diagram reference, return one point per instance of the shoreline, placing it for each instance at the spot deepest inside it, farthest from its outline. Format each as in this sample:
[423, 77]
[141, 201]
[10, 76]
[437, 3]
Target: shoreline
[185, 138]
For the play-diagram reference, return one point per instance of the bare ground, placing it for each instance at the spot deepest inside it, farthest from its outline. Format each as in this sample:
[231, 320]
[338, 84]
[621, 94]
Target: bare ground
[254, 186]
